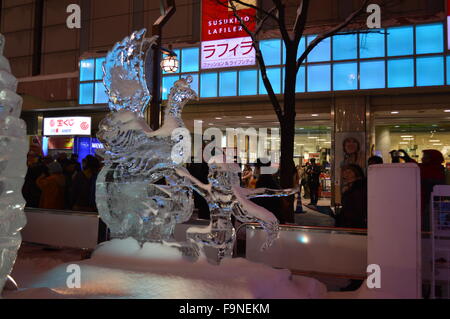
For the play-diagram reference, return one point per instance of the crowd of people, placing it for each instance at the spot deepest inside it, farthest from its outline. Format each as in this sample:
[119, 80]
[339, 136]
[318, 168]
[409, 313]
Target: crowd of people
[60, 182]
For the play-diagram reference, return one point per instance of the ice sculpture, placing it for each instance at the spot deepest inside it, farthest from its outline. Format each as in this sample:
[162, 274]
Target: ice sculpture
[143, 191]
[13, 154]
[226, 198]
[138, 192]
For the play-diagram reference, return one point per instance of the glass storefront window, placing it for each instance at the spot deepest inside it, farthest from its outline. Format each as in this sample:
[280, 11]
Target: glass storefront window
[86, 95]
[321, 52]
[274, 75]
[189, 60]
[87, 70]
[430, 71]
[429, 38]
[248, 82]
[372, 74]
[319, 78]
[400, 73]
[345, 76]
[371, 44]
[99, 68]
[344, 47]
[413, 138]
[227, 83]
[208, 85]
[100, 93]
[167, 83]
[400, 41]
[271, 51]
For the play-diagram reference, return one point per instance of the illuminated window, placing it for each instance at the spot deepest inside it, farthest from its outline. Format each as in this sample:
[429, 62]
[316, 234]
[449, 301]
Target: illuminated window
[371, 44]
[167, 83]
[400, 73]
[189, 60]
[248, 82]
[86, 95]
[429, 38]
[274, 75]
[208, 85]
[87, 70]
[300, 84]
[448, 69]
[100, 93]
[194, 83]
[345, 76]
[321, 52]
[400, 41]
[271, 51]
[372, 74]
[344, 46]
[430, 71]
[319, 78]
[227, 83]
[99, 68]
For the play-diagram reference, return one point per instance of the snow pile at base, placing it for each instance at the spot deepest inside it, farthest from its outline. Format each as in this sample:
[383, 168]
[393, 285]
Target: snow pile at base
[121, 269]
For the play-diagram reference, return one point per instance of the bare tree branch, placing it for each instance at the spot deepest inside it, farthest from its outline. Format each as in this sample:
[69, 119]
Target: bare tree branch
[257, 8]
[262, 66]
[300, 21]
[331, 32]
[281, 20]
[260, 24]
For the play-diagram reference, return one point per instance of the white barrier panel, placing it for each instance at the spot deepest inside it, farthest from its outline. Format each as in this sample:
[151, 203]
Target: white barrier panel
[311, 250]
[394, 229]
[61, 229]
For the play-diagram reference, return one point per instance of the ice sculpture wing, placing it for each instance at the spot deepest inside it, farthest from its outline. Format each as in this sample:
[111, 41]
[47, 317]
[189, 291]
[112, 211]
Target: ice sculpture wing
[124, 73]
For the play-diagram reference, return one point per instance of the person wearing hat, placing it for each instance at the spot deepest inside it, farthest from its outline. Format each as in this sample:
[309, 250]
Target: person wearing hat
[52, 187]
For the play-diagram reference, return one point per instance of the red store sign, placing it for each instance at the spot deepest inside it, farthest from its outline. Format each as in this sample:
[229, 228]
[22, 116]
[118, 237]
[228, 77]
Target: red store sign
[225, 43]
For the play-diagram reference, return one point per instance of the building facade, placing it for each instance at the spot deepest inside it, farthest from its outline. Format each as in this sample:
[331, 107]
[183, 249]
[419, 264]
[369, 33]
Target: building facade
[384, 89]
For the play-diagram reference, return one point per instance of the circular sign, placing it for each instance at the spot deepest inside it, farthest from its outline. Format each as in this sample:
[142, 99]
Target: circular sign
[84, 126]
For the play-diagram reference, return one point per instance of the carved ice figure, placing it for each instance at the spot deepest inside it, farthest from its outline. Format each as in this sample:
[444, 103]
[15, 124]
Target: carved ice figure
[13, 153]
[143, 191]
[225, 198]
[138, 193]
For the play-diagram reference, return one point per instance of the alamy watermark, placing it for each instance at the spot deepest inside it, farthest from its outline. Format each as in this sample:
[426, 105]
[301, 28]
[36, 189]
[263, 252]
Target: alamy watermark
[213, 146]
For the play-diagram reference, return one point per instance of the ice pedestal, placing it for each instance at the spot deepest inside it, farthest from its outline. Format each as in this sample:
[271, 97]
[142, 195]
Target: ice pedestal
[121, 269]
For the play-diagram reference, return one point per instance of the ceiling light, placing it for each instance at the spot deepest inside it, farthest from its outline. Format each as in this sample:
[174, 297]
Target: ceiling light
[437, 144]
[397, 126]
[211, 124]
[312, 137]
[447, 111]
[406, 136]
[218, 118]
[395, 112]
[314, 115]
[249, 117]
[403, 143]
[434, 141]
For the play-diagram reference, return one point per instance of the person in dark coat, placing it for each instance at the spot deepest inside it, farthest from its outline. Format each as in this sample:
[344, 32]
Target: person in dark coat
[272, 204]
[200, 171]
[353, 213]
[313, 173]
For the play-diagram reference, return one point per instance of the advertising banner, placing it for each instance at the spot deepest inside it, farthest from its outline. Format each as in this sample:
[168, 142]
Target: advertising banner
[75, 125]
[225, 43]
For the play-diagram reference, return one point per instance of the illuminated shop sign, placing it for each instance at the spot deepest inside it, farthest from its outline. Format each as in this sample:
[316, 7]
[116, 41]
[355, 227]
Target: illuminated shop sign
[225, 43]
[77, 125]
[448, 24]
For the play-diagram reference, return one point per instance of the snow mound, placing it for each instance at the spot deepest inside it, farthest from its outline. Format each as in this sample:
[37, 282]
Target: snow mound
[122, 269]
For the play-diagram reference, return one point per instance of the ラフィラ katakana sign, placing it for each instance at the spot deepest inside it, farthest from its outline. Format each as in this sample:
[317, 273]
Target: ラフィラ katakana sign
[225, 43]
